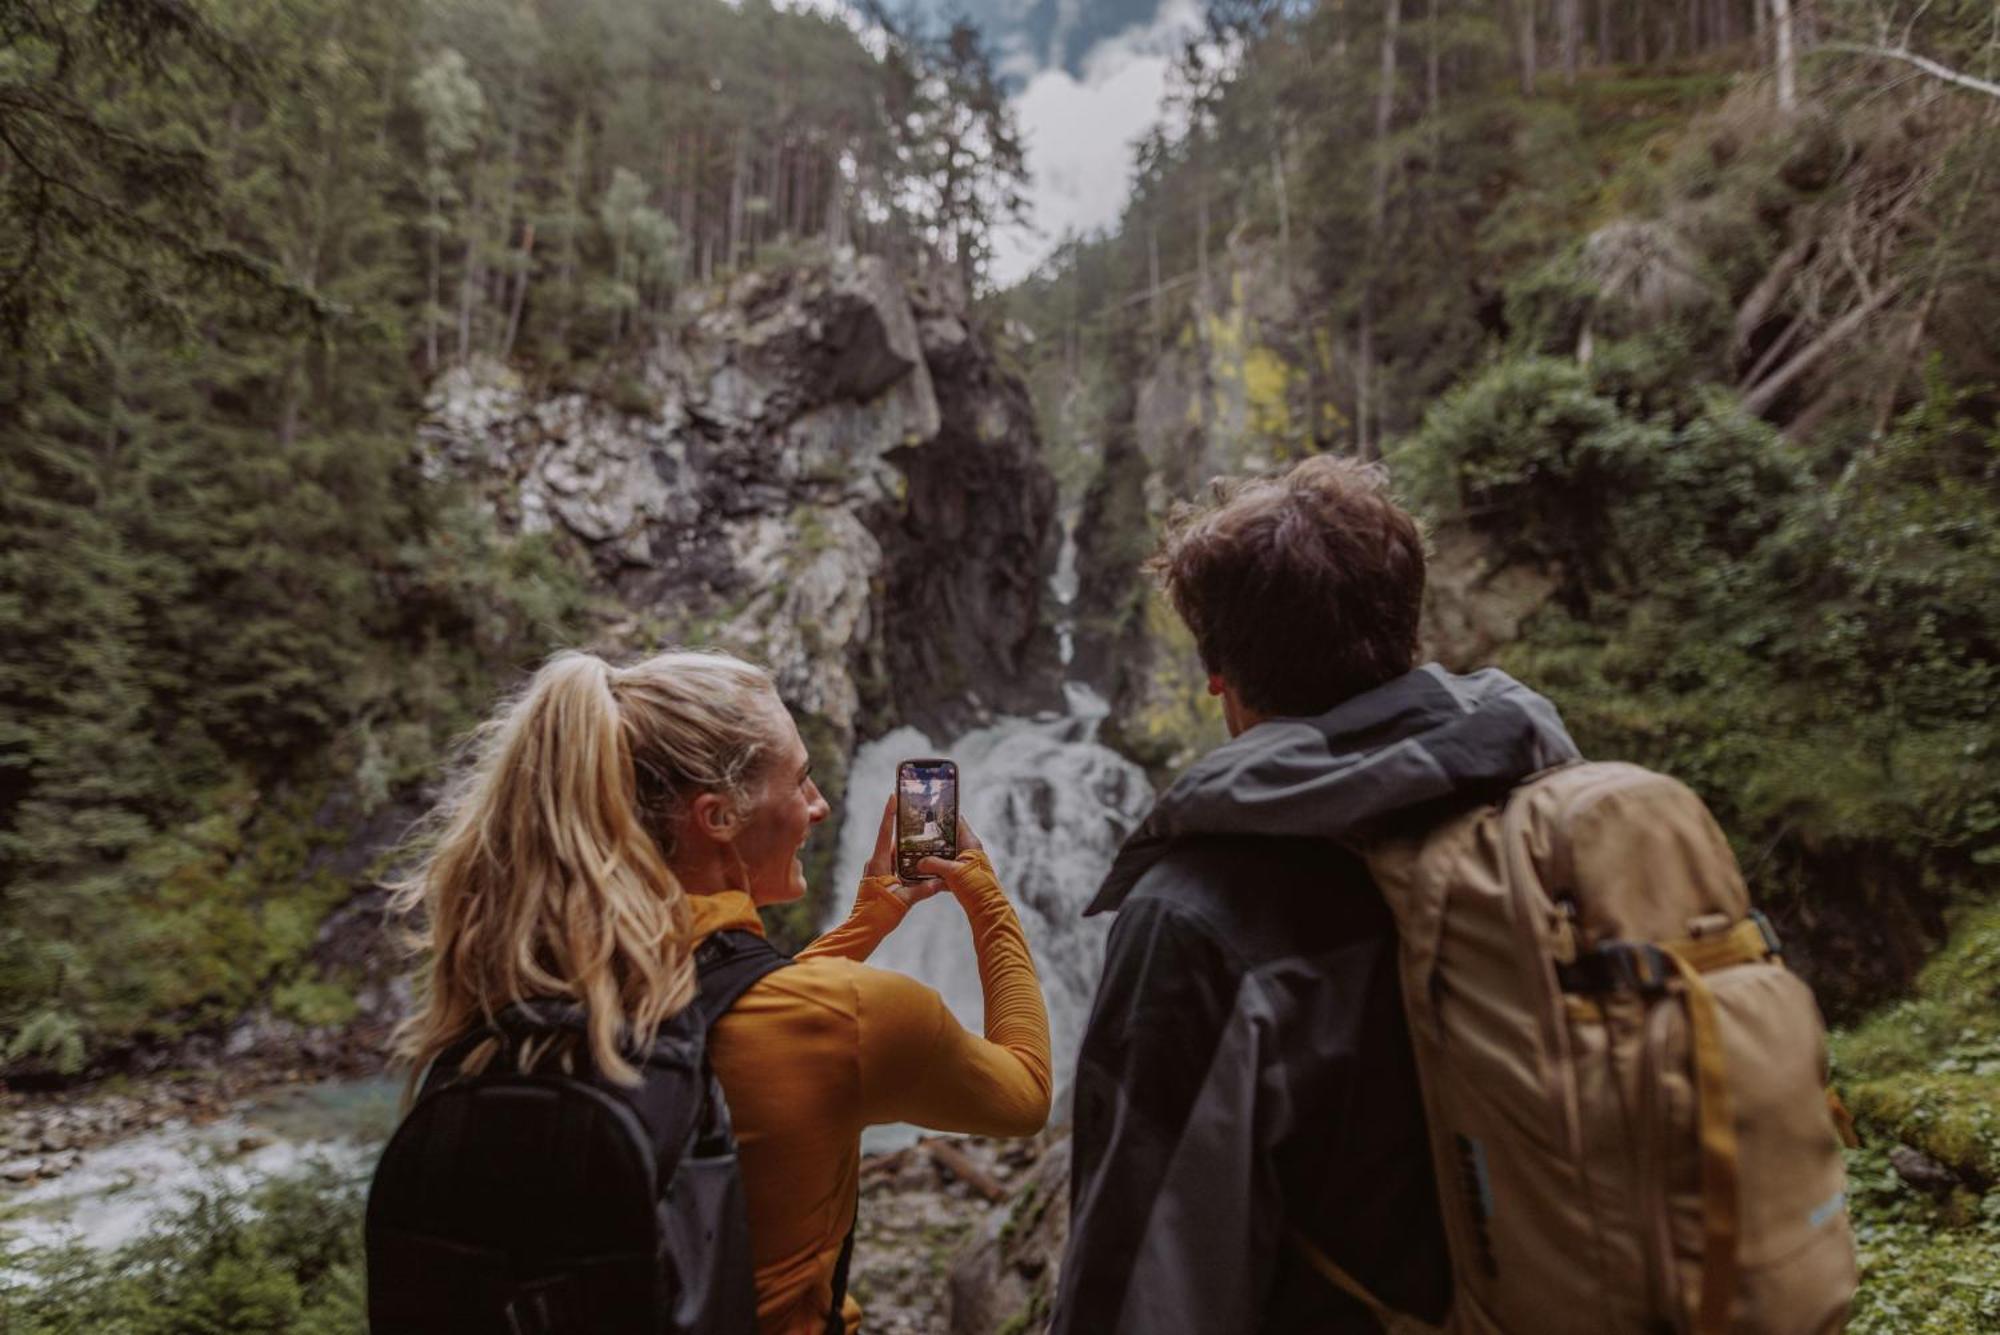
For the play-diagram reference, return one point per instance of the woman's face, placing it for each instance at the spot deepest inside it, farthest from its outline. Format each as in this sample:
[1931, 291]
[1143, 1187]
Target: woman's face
[784, 806]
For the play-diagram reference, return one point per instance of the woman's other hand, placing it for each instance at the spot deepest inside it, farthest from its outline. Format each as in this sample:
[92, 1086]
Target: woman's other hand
[952, 873]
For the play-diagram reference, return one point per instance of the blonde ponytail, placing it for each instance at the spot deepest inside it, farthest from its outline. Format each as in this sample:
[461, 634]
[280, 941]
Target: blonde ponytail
[546, 875]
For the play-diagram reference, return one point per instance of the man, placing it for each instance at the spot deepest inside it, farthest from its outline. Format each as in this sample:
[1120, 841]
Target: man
[1247, 1114]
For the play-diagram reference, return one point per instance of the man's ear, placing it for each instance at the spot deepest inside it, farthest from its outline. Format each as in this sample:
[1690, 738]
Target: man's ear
[715, 816]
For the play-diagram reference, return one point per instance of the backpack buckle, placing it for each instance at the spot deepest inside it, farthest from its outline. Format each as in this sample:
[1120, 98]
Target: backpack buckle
[531, 1312]
[1772, 942]
[1618, 966]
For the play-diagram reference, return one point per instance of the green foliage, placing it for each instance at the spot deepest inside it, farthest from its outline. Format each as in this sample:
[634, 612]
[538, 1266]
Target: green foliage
[1926, 1072]
[1928, 1267]
[285, 1261]
[224, 586]
[1818, 657]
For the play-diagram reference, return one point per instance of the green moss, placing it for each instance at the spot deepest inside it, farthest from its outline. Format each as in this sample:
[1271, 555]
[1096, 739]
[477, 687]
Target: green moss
[1926, 1071]
[1172, 717]
[314, 1003]
[1928, 1267]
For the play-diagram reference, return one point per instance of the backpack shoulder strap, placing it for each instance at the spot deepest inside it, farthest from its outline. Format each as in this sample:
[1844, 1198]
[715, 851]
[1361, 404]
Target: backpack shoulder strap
[1392, 1321]
[836, 1317]
[728, 963]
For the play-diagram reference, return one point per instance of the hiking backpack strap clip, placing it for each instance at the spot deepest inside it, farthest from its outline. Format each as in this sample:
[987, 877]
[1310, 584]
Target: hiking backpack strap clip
[1647, 969]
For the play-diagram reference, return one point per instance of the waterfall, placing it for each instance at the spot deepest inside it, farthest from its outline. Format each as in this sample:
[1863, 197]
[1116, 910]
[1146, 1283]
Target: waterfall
[1052, 805]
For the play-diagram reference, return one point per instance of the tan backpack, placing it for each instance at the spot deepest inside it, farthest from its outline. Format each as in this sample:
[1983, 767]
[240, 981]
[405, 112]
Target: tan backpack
[1625, 1085]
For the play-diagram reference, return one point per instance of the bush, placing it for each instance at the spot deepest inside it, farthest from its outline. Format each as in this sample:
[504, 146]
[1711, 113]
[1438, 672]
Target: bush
[287, 1260]
[1818, 655]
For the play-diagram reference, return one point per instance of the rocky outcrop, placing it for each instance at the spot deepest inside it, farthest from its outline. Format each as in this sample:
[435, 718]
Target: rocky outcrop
[1004, 1279]
[1476, 603]
[1225, 397]
[969, 545]
[826, 470]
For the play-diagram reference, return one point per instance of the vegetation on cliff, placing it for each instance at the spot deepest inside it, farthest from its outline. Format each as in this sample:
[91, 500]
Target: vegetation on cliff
[1720, 367]
[236, 239]
[1697, 334]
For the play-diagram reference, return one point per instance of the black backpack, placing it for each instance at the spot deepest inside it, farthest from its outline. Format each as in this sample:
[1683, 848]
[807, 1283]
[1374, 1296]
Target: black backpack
[531, 1203]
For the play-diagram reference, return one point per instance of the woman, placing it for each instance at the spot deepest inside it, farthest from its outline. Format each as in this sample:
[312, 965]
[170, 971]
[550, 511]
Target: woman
[612, 819]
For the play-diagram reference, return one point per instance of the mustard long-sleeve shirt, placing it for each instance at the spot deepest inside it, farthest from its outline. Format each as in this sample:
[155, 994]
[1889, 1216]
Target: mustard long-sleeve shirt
[814, 1052]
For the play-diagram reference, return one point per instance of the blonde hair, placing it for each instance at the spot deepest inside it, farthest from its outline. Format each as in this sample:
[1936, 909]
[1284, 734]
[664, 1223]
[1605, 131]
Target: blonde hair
[545, 868]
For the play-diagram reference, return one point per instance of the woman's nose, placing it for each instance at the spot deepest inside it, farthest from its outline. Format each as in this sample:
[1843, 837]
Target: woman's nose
[818, 810]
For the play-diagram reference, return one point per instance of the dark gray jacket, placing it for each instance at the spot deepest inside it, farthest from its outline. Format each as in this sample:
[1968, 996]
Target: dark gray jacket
[1246, 1071]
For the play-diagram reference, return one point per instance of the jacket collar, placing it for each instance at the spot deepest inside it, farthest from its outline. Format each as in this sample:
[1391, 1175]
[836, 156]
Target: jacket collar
[725, 910]
[1427, 736]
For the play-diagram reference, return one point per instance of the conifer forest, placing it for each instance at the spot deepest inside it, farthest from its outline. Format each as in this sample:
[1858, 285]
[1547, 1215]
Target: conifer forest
[355, 355]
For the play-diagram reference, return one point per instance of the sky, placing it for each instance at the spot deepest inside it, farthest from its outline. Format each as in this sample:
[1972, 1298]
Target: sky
[1090, 76]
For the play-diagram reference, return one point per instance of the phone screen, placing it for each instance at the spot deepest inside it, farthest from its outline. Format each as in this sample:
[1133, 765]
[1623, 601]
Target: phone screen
[926, 813]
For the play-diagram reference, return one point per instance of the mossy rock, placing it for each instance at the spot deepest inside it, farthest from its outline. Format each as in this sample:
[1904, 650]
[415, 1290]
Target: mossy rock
[1928, 1267]
[1926, 1071]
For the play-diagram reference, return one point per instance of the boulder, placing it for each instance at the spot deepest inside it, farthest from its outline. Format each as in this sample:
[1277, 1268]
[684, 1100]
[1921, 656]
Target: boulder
[1005, 1278]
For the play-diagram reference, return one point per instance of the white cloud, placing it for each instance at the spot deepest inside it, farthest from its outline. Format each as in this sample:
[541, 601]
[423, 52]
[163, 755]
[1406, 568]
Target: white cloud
[1078, 135]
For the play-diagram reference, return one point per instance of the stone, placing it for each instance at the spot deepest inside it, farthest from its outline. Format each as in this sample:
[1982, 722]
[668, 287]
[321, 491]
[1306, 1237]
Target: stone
[1922, 1172]
[21, 1170]
[1475, 603]
[1005, 1276]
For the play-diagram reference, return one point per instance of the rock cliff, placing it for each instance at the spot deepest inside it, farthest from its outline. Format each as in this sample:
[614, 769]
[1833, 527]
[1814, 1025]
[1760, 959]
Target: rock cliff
[1232, 393]
[826, 470]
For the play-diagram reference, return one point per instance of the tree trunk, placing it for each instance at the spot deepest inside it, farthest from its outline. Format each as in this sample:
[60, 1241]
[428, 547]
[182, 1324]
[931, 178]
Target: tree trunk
[1931, 67]
[1284, 212]
[1762, 396]
[1524, 22]
[1204, 301]
[1571, 14]
[1366, 400]
[1785, 56]
[1153, 278]
[520, 292]
[436, 227]
[1757, 306]
[469, 280]
[737, 186]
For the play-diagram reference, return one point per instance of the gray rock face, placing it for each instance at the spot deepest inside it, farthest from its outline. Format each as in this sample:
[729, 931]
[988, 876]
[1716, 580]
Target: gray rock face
[832, 477]
[1005, 1277]
[1475, 603]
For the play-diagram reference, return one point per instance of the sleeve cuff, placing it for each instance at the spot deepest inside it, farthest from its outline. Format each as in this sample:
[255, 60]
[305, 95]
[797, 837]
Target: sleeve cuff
[880, 890]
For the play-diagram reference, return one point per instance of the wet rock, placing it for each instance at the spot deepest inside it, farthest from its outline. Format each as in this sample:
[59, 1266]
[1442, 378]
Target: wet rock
[1005, 1277]
[1922, 1172]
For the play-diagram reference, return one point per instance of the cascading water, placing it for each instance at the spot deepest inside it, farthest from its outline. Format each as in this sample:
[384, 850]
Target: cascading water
[1052, 805]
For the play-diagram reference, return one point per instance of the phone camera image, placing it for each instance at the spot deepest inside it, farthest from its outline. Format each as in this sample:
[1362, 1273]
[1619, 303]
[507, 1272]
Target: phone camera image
[926, 813]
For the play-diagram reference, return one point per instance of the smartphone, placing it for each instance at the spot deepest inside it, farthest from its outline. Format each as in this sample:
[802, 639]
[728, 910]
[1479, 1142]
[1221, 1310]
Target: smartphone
[926, 814]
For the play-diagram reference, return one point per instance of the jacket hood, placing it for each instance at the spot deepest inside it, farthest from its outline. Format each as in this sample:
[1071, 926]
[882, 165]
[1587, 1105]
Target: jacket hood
[1427, 736]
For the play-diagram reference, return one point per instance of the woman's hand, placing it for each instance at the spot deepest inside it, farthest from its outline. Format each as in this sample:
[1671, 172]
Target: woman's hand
[950, 873]
[939, 872]
[881, 864]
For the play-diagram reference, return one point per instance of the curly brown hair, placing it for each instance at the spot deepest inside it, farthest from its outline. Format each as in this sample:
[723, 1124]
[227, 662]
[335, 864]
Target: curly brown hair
[1303, 590]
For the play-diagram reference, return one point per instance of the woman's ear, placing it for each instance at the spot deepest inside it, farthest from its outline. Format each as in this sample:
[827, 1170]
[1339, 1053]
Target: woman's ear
[715, 817]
